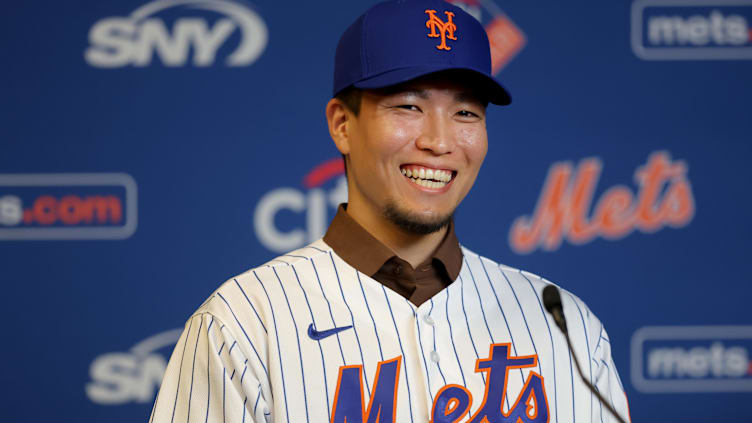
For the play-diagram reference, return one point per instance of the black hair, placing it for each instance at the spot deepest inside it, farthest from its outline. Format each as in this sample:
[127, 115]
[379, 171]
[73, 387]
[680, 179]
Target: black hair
[351, 98]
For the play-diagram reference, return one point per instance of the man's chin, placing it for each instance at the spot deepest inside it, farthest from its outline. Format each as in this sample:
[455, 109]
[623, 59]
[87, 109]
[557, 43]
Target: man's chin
[414, 223]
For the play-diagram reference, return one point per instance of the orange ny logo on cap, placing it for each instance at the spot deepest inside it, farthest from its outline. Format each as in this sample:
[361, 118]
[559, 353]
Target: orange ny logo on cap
[446, 29]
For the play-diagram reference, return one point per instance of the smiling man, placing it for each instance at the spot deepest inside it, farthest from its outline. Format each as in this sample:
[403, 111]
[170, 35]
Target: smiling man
[387, 318]
[412, 152]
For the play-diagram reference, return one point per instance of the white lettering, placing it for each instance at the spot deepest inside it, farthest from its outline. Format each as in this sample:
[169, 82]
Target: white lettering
[135, 40]
[736, 363]
[263, 219]
[698, 362]
[736, 28]
[149, 378]
[118, 378]
[11, 210]
[698, 30]
[111, 43]
[338, 195]
[173, 49]
[208, 42]
[316, 216]
[315, 204]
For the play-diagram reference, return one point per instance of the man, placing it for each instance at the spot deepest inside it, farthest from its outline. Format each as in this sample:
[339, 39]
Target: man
[387, 318]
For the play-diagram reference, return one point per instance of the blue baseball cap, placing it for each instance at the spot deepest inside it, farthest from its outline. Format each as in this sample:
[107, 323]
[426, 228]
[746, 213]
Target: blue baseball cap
[397, 41]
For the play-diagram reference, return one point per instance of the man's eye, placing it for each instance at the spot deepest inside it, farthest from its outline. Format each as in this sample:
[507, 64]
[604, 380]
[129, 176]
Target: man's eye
[466, 113]
[409, 107]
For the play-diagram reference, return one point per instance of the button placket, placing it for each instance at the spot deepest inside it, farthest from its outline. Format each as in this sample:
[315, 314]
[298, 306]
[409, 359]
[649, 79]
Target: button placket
[429, 321]
[427, 327]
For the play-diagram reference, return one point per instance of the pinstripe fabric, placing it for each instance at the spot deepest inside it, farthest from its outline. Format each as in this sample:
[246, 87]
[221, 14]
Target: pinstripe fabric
[246, 356]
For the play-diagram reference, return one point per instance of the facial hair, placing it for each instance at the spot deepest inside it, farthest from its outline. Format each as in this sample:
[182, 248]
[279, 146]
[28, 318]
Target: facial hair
[411, 222]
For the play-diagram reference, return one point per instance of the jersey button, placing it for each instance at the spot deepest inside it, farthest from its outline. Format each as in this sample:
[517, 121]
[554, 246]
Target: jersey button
[429, 320]
[434, 356]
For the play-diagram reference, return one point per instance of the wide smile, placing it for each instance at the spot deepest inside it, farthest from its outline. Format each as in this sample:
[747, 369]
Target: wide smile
[428, 177]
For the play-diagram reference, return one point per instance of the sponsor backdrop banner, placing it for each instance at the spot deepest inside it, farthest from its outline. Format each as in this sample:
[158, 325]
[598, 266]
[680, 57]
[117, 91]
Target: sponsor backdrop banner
[153, 149]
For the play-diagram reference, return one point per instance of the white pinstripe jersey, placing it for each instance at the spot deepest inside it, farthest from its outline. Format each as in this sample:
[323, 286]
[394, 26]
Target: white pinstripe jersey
[246, 355]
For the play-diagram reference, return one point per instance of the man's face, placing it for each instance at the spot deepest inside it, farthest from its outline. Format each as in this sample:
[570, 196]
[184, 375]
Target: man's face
[415, 151]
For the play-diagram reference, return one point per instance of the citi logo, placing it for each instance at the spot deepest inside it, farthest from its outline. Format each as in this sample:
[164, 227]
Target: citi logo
[663, 198]
[692, 29]
[67, 206]
[136, 40]
[130, 376]
[288, 218]
[692, 359]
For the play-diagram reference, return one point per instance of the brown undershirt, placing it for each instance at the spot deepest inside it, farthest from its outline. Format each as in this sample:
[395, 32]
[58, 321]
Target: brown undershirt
[368, 255]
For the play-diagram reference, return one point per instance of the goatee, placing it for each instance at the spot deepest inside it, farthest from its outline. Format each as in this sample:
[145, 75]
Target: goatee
[411, 222]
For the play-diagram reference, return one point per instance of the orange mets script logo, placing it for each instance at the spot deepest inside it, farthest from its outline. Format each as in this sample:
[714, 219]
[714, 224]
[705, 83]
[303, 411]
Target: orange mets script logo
[446, 29]
[565, 207]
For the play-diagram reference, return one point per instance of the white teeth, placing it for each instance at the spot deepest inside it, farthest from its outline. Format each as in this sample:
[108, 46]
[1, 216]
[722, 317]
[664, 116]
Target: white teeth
[428, 184]
[432, 178]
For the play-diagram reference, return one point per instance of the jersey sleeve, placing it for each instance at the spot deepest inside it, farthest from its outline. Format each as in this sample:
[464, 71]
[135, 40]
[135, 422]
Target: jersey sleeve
[209, 379]
[606, 378]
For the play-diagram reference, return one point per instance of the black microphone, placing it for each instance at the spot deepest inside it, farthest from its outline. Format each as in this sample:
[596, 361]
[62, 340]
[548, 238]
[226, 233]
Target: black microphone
[552, 302]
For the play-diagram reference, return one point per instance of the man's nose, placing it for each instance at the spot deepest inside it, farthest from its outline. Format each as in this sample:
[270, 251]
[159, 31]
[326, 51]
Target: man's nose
[436, 135]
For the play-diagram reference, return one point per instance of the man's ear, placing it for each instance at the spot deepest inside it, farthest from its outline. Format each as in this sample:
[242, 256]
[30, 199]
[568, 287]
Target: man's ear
[339, 120]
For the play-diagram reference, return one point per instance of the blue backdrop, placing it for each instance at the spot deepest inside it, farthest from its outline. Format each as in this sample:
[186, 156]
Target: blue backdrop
[150, 150]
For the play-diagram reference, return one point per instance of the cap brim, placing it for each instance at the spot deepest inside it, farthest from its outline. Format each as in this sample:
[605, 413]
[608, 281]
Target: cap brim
[496, 93]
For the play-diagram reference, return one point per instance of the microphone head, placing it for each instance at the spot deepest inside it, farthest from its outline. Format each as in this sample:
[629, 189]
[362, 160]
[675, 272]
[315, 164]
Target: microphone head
[551, 298]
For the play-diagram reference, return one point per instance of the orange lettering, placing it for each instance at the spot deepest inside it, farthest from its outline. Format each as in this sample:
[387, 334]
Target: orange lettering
[650, 178]
[587, 177]
[679, 205]
[106, 208]
[613, 213]
[563, 207]
[550, 214]
[69, 209]
[73, 210]
[446, 28]
[44, 210]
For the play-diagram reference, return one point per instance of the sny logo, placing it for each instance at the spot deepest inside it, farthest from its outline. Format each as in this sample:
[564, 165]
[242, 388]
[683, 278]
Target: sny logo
[452, 402]
[133, 376]
[133, 40]
[446, 29]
